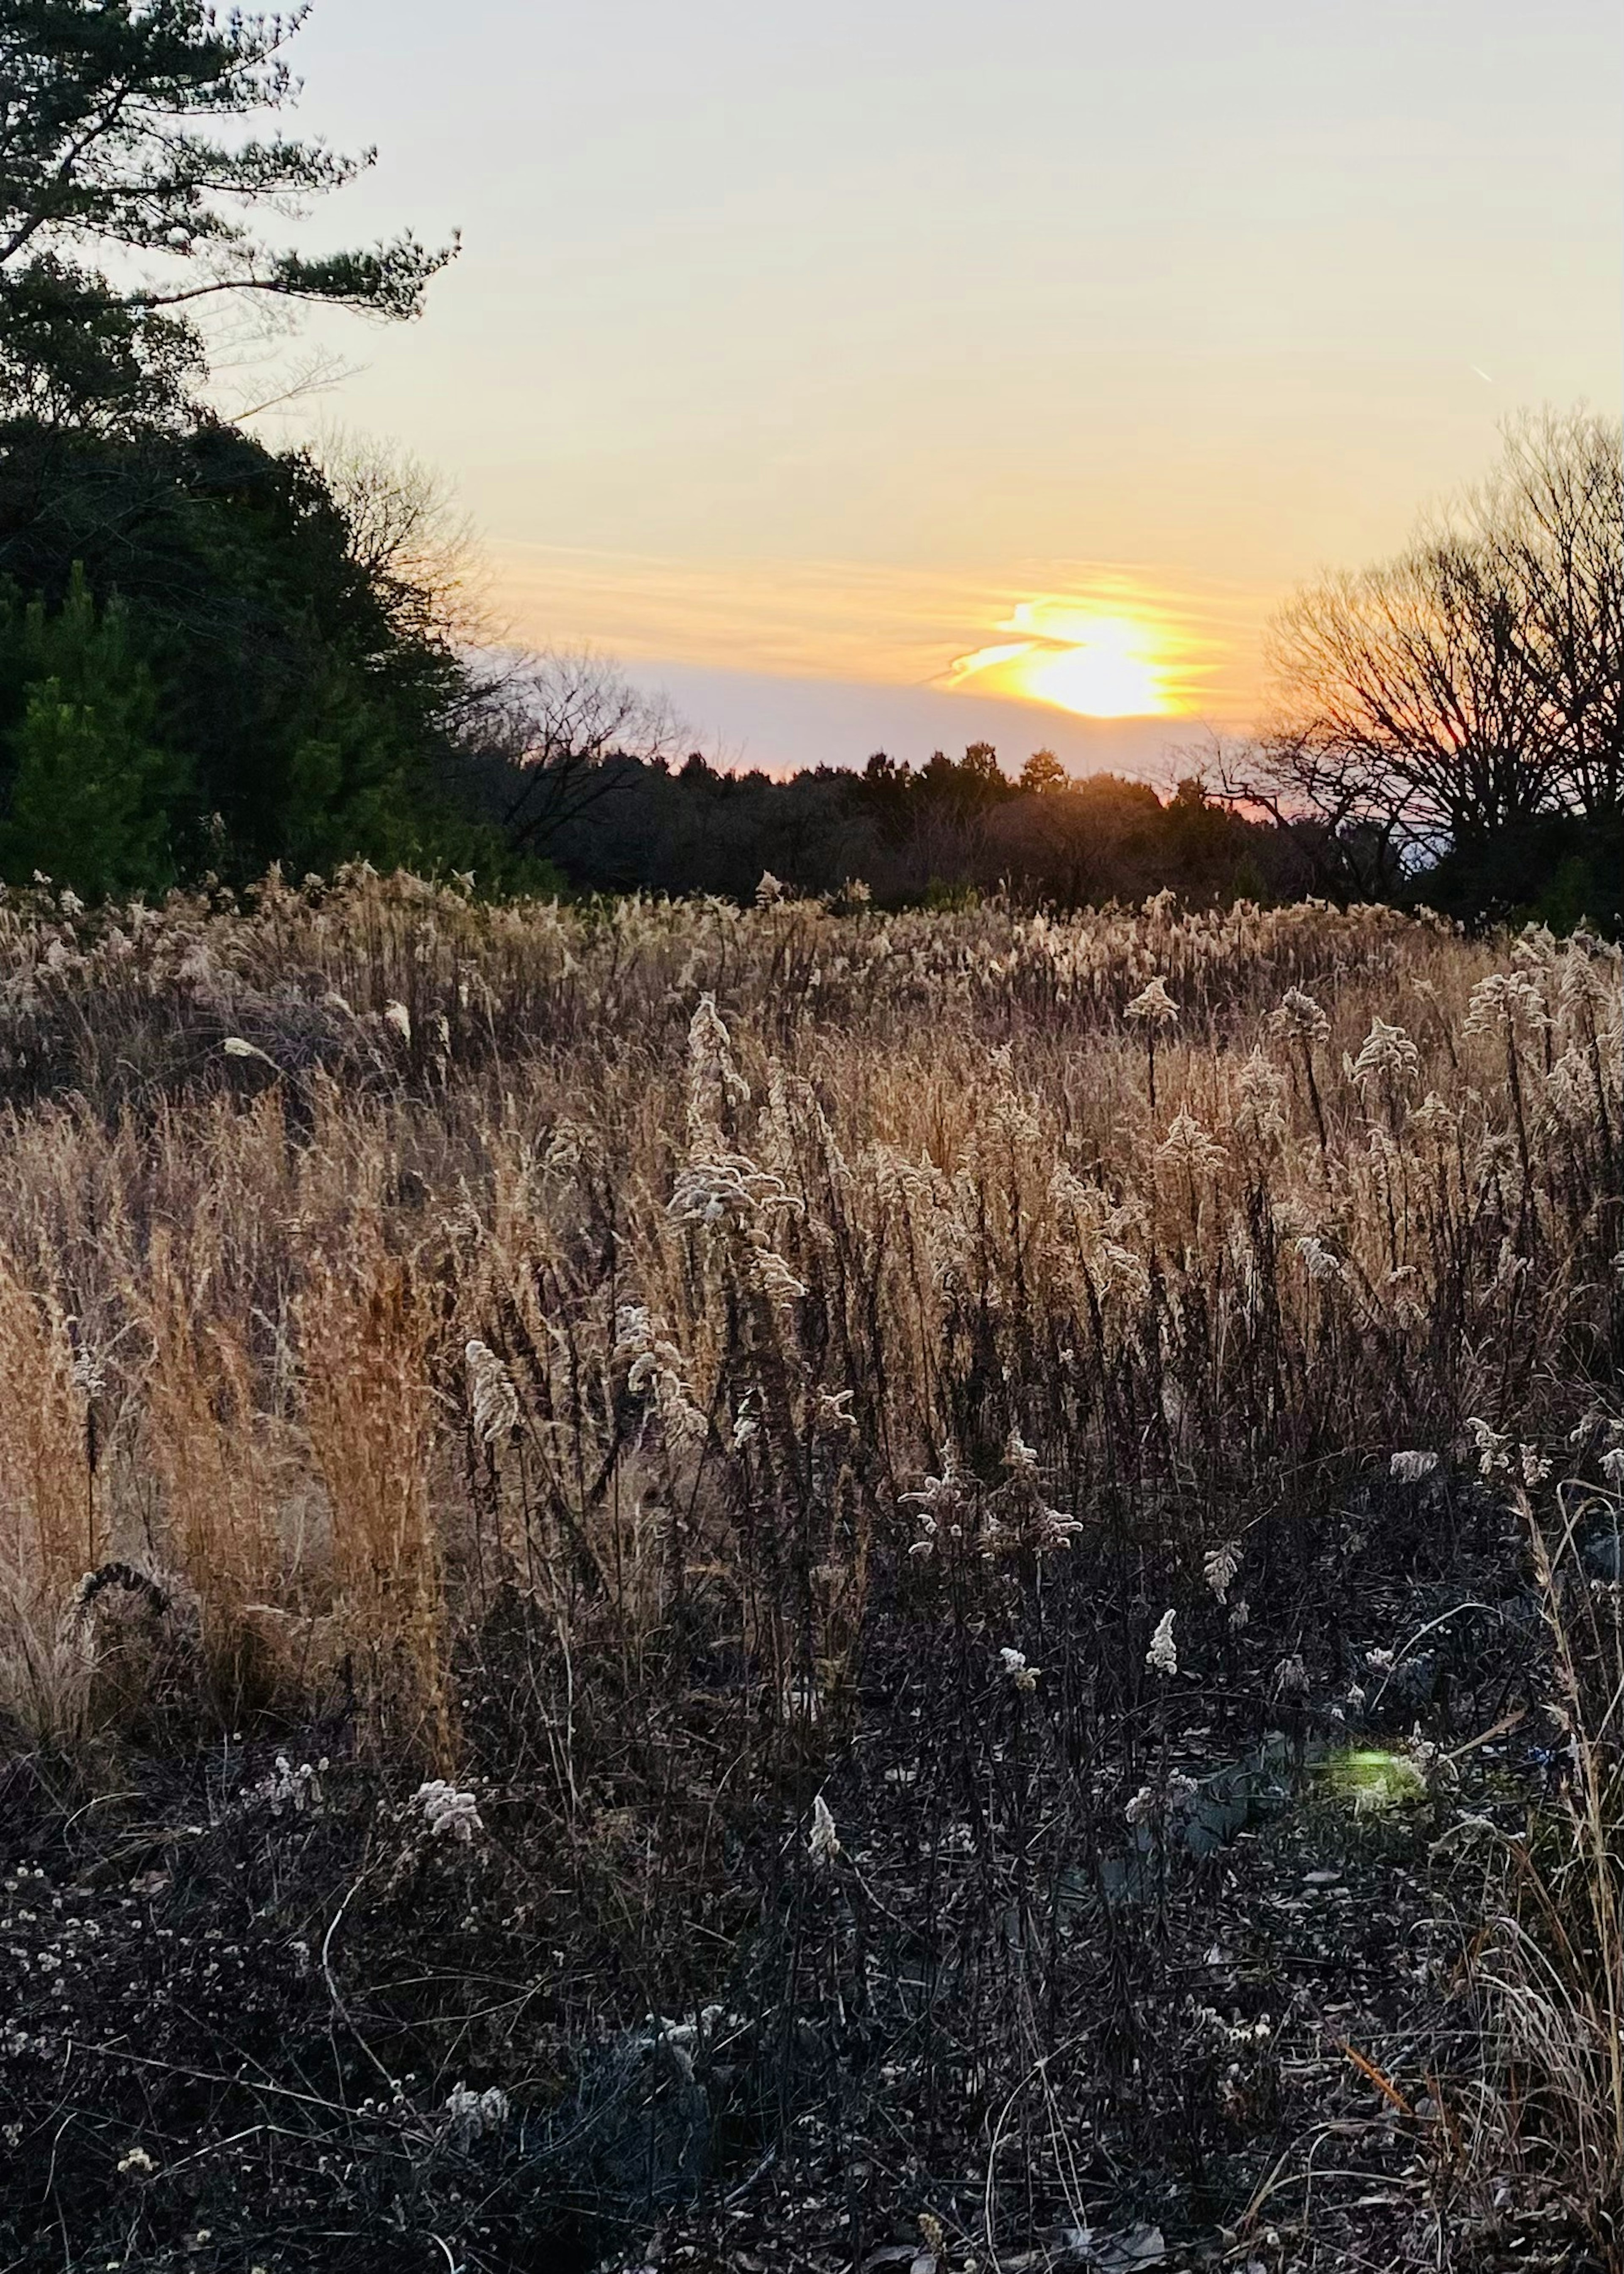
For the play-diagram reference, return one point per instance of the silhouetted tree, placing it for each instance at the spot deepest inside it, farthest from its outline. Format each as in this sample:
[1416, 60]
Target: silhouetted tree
[1043, 773]
[1553, 516]
[111, 116]
[554, 725]
[210, 653]
[1460, 710]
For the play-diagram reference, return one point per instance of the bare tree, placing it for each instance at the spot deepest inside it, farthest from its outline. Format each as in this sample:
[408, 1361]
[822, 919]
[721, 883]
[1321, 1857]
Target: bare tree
[1446, 698]
[1412, 699]
[410, 535]
[1553, 517]
[557, 722]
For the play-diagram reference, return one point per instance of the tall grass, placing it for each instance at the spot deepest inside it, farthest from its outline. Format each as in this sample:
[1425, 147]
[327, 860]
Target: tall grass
[767, 1215]
[785, 1323]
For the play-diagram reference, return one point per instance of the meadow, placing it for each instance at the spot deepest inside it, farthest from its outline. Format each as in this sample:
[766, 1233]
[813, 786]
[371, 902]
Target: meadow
[807, 1586]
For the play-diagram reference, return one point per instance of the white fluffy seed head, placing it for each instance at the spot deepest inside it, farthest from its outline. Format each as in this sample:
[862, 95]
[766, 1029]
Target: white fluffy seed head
[1219, 1567]
[493, 1399]
[1163, 1656]
[1409, 1468]
[1153, 1007]
[822, 1842]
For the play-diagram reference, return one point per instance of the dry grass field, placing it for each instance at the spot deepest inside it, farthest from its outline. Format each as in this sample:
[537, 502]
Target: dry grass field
[801, 1583]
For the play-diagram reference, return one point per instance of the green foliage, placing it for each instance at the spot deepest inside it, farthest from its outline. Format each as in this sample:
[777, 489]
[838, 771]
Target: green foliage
[944, 898]
[309, 706]
[90, 792]
[109, 109]
[201, 665]
[1563, 870]
[71, 355]
[955, 788]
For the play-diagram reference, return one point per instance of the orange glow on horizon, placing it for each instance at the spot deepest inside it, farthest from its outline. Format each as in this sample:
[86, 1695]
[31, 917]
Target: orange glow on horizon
[1096, 662]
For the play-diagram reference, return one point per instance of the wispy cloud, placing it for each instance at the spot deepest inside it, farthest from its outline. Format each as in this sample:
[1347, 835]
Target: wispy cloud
[894, 625]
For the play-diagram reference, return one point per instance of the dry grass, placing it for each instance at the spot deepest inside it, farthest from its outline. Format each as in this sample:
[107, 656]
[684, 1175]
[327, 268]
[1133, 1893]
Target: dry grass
[834, 1279]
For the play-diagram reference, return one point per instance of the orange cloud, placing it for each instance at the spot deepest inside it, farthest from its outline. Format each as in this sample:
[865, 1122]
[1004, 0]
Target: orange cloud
[1093, 639]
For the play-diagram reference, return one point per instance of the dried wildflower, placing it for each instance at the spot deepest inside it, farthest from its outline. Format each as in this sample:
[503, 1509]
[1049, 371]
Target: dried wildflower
[1152, 1006]
[770, 890]
[290, 1789]
[1409, 1468]
[1188, 1146]
[1018, 1457]
[1320, 1262]
[721, 1188]
[1387, 1055]
[1163, 1656]
[1024, 1676]
[449, 1814]
[1584, 981]
[469, 2115]
[831, 1410]
[565, 1151]
[714, 1081]
[1219, 1567]
[1499, 1002]
[1260, 1116]
[135, 2162]
[939, 1500]
[1533, 1465]
[1301, 1017]
[1142, 1808]
[1050, 1529]
[87, 1372]
[234, 1047]
[822, 1842]
[1430, 1764]
[1291, 1677]
[1433, 1118]
[1240, 1612]
[1492, 1447]
[396, 1016]
[493, 1400]
[1613, 1467]
[654, 1371]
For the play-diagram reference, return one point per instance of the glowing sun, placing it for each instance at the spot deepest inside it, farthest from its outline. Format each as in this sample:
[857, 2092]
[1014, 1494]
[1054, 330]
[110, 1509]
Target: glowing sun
[1081, 659]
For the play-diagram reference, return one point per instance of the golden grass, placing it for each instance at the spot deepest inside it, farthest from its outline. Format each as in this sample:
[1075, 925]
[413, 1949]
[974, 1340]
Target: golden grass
[268, 1172]
[717, 1286]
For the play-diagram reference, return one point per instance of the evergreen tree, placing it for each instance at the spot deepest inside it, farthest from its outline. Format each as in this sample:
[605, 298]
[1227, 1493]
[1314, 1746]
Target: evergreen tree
[111, 116]
[90, 792]
[206, 663]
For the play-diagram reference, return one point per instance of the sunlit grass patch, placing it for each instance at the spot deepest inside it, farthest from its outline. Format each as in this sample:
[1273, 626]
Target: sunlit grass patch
[1371, 1782]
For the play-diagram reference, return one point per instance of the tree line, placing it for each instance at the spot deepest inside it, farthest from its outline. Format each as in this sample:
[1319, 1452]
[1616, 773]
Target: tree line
[906, 835]
[215, 655]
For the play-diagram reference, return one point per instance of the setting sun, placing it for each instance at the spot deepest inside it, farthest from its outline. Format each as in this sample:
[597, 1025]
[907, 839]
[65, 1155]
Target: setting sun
[1094, 663]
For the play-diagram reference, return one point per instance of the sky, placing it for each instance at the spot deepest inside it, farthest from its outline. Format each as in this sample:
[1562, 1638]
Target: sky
[899, 374]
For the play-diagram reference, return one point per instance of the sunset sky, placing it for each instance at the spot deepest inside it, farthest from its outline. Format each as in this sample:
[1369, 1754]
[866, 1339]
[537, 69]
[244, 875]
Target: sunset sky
[900, 373]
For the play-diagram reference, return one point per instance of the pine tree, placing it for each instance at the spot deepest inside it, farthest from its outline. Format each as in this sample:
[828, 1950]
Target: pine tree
[106, 107]
[90, 794]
